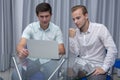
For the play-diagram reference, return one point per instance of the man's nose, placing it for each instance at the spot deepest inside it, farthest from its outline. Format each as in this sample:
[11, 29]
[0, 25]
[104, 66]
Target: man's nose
[44, 18]
[75, 21]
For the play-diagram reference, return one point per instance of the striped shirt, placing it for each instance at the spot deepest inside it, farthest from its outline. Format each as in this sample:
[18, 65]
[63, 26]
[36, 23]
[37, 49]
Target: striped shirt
[91, 46]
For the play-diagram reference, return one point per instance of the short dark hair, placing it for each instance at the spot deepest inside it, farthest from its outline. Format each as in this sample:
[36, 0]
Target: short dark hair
[84, 9]
[43, 7]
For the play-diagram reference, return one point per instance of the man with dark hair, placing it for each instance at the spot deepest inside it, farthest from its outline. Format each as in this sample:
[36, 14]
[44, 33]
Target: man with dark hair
[92, 45]
[43, 8]
[40, 30]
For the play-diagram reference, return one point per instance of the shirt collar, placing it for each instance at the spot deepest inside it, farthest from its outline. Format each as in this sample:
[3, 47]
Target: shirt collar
[46, 29]
[89, 28]
[88, 31]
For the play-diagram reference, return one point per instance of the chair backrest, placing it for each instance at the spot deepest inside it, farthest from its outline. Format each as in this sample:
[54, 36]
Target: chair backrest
[1, 78]
[117, 63]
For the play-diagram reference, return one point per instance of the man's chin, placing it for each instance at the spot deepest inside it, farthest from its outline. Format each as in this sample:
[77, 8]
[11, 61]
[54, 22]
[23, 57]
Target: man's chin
[79, 27]
[46, 24]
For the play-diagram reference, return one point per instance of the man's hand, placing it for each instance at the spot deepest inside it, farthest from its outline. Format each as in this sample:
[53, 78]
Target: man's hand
[23, 53]
[98, 71]
[72, 32]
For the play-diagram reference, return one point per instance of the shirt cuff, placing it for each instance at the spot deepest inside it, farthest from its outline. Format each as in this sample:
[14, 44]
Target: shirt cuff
[105, 68]
[71, 39]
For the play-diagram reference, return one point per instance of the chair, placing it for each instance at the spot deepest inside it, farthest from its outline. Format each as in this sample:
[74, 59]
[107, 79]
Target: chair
[1, 78]
[116, 65]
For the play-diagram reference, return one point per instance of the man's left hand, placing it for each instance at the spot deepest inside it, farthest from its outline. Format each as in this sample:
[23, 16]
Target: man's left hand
[98, 71]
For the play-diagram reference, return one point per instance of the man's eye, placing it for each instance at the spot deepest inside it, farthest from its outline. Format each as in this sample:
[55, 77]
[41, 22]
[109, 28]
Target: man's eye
[77, 17]
[46, 16]
[73, 19]
[41, 16]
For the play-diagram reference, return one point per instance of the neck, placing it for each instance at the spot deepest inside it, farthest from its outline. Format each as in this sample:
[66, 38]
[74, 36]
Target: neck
[44, 27]
[85, 27]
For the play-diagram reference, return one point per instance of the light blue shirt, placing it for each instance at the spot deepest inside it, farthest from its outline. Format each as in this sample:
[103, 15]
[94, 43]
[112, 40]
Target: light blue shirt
[34, 31]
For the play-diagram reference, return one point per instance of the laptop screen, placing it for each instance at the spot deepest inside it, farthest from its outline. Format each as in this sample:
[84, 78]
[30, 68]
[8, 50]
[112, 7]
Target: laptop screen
[43, 49]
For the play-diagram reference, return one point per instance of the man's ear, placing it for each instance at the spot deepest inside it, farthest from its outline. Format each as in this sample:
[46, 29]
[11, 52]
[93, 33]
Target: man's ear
[86, 15]
[51, 14]
[37, 15]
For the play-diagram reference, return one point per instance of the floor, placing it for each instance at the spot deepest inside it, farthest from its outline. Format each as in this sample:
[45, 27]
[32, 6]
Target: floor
[116, 78]
[7, 75]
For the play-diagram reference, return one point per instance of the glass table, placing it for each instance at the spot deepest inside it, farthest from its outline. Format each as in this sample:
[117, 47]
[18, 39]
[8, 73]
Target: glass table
[55, 70]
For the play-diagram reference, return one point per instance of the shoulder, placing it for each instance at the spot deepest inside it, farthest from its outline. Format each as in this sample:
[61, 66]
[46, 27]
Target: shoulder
[54, 26]
[33, 24]
[98, 26]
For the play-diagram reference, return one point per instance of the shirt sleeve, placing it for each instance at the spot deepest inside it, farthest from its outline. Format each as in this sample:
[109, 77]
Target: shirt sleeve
[59, 36]
[110, 47]
[73, 46]
[27, 32]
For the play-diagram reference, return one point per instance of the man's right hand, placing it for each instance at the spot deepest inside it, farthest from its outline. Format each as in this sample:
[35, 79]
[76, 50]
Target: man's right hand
[23, 53]
[72, 32]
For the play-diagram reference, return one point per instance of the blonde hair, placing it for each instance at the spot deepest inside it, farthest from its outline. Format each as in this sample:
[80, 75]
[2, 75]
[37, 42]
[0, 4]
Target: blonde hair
[82, 7]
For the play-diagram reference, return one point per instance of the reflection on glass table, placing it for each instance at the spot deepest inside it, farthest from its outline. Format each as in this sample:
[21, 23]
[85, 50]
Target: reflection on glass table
[50, 70]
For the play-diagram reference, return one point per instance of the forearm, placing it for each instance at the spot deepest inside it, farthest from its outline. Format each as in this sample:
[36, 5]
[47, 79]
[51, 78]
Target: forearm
[19, 48]
[21, 45]
[21, 51]
[109, 59]
[61, 49]
[73, 46]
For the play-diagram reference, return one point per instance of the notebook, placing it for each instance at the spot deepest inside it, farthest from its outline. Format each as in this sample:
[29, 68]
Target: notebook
[88, 69]
[43, 49]
[83, 67]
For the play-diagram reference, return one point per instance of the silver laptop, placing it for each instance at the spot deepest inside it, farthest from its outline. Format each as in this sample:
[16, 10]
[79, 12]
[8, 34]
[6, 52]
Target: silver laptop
[43, 49]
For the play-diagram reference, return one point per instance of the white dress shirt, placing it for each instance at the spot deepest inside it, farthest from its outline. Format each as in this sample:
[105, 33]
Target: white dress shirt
[96, 47]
